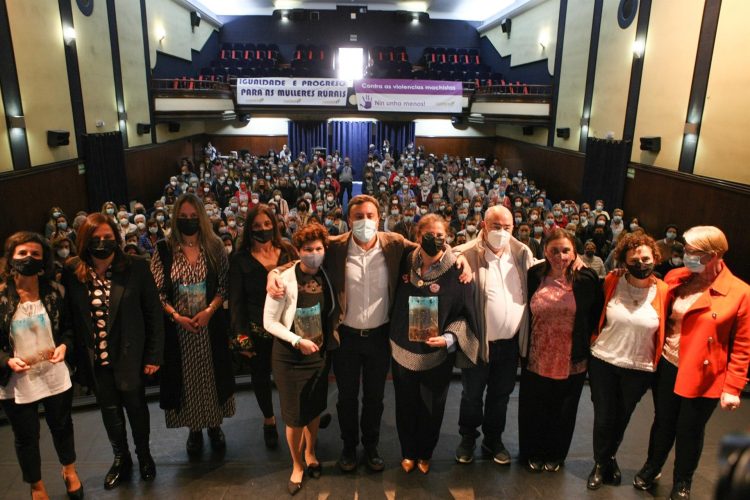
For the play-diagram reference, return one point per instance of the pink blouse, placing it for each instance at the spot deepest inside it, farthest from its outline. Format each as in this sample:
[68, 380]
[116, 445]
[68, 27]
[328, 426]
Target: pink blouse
[553, 307]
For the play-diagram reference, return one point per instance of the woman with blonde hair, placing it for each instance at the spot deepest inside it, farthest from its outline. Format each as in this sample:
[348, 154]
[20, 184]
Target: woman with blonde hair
[704, 361]
[190, 269]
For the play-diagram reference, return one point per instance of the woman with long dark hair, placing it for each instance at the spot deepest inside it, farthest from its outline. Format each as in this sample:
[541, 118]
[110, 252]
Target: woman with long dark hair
[190, 269]
[35, 335]
[260, 250]
[119, 336]
[565, 305]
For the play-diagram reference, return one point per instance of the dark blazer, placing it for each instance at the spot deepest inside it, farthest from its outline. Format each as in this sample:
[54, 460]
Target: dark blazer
[589, 298]
[394, 246]
[218, 330]
[135, 328]
[52, 296]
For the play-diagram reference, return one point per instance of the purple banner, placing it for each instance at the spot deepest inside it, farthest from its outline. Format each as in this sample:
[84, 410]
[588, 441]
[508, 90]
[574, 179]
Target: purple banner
[405, 87]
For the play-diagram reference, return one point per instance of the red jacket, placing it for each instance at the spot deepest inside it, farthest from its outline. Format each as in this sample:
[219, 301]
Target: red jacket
[660, 304]
[715, 340]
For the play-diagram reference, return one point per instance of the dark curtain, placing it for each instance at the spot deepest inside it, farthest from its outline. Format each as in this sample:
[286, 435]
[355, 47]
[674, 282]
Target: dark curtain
[605, 171]
[352, 139]
[306, 136]
[398, 133]
[104, 158]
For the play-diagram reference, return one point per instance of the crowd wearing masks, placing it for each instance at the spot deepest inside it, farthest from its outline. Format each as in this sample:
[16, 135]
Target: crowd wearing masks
[270, 262]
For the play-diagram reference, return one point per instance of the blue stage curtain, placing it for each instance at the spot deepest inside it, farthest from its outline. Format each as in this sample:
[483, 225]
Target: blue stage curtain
[307, 135]
[398, 133]
[352, 139]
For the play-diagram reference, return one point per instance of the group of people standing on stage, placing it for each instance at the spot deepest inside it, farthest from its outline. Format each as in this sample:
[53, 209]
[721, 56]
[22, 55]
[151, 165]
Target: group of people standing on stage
[366, 302]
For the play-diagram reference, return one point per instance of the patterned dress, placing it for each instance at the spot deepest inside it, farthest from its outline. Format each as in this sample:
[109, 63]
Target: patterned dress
[199, 401]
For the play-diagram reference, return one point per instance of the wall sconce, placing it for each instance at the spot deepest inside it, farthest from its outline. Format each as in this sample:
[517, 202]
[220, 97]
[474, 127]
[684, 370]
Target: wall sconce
[563, 133]
[69, 35]
[285, 17]
[505, 26]
[161, 34]
[584, 123]
[16, 122]
[639, 47]
[691, 129]
[122, 115]
[544, 40]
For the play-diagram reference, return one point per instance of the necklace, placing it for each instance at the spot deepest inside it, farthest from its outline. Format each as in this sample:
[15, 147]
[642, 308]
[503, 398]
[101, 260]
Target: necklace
[629, 288]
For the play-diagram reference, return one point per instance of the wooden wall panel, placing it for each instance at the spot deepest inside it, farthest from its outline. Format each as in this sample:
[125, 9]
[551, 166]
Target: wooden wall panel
[461, 146]
[256, 144]
[148, 168]
[27, 198]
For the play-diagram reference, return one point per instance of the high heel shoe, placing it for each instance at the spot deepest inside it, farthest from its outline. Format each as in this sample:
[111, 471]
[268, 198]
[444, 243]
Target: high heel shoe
[408, 465]
[314, 470]
[423, 466]
[293, 488]
[76, 494]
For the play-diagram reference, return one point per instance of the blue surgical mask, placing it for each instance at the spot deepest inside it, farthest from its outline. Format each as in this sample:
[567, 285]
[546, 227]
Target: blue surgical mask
[693, 263]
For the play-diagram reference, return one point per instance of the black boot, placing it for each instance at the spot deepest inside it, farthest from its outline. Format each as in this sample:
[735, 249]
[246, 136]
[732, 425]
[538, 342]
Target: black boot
[218, 441]
[270, 436]
[194, 443]
[680, 491]
[120, 471]
[146, 466]
[646, 477]
[596, 477]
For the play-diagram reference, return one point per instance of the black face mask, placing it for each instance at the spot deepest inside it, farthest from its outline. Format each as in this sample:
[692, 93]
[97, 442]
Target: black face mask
[590, 253]
[640, 271]
[431, 245]
[102, 249]
[28, 266]
[188, 227]
[263, 235]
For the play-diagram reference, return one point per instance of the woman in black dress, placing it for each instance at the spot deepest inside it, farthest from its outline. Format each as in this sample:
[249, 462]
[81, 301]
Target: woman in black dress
[261, 249]
[300, 321]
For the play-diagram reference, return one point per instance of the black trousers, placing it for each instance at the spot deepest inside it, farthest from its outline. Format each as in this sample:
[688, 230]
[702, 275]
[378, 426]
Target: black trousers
[547, 415]
[615, 393]
[420, 406]
[677, 421]
[367, 358]
[260, 371]
[345, 186]
[111, 402]
[24, 419]
[498, 376]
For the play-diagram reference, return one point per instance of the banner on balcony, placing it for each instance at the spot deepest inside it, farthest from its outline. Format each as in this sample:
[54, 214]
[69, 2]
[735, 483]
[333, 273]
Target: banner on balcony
[409, 96]
[291, 92]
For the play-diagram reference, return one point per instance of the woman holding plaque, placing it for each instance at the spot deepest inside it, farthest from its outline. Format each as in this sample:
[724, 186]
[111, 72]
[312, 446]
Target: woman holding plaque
[300, 321]
[433, 318]
[261, 249]
[35, 335]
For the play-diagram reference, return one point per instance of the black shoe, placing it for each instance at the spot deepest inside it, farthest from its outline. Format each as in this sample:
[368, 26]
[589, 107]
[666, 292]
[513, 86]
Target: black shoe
[373, 459]
[325, 420]
[121, 470]
[314, 470]
[614, 476]
[293, 488]
[348, 459]
[218, 441]
[73, 495]
[680, 491]
[497, 451]
[646, 477]
[147, 467]
[552, 466]
[194, 443]
[596, 477]
[465, 450]
[534, 465]
[270, 436]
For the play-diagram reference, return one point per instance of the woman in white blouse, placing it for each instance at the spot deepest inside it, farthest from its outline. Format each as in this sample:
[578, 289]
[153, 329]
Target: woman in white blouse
[625, 350]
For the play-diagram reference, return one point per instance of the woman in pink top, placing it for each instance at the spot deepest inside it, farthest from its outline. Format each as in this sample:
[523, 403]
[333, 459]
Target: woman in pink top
[565, 306]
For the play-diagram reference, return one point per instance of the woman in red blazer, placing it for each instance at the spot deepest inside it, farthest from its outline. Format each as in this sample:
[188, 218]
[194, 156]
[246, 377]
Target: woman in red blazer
[704, 360]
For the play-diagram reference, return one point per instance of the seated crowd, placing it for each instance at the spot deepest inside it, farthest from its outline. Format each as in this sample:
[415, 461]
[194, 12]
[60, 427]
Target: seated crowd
[440, 262]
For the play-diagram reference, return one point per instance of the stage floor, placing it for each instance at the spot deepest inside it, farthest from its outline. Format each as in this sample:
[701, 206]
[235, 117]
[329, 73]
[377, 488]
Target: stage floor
[248, 470]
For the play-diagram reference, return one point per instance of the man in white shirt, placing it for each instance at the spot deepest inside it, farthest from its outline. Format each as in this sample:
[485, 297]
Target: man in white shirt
[499, 263]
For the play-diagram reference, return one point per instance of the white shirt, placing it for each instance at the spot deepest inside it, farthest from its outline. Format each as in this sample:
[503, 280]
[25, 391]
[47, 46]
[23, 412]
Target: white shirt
[366, 282]
[627, 340]
[505, 301]
[681, 305]
[31, 334]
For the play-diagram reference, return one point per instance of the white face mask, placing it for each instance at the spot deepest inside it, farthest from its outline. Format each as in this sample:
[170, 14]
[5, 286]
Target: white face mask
[364, 229]
[312, 260]
[498, 238]
[63, 252]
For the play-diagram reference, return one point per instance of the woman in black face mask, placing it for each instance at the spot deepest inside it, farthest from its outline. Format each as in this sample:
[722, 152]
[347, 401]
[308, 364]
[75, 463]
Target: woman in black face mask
[190, 269]
[119, 338]
[625, 349]
[261, 250]
[35, 335]
[433, 318]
